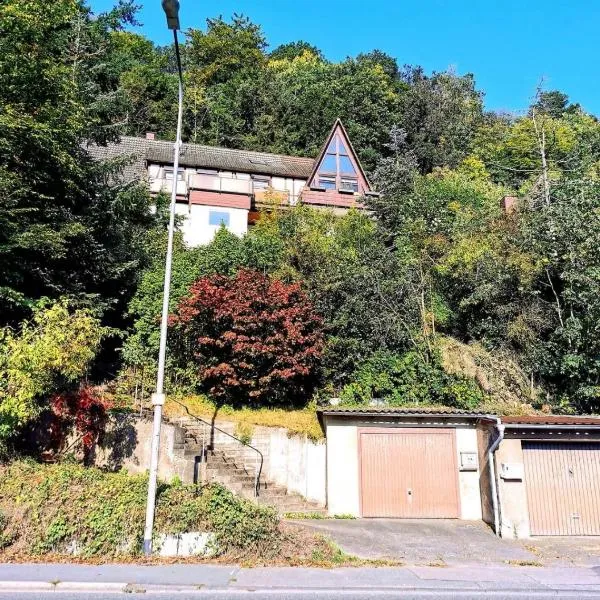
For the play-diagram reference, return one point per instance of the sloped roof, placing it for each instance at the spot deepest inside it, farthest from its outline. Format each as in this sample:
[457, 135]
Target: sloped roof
[142, 150]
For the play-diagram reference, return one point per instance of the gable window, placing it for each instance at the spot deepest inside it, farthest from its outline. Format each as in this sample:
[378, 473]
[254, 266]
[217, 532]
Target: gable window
[218, 218]
[327, 183]
[337, 170]
[349, 185]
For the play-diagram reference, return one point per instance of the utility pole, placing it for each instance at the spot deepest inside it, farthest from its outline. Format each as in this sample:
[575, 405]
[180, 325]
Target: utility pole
[171, 8]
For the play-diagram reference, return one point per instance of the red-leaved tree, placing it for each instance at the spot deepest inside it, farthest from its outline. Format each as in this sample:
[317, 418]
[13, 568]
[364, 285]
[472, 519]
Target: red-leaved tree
[83, 412]
[253, 338]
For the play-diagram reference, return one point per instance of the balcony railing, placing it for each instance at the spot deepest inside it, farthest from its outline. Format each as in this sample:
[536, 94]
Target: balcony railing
[166, 185]
[220, 184]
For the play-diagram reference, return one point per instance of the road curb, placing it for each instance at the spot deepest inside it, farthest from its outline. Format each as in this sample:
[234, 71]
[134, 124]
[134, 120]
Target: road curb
[94, 586]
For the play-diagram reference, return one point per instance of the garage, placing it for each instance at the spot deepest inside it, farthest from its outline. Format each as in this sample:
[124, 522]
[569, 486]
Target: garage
[385, 462]
[408, 473]
[548, 476]
[563, 487]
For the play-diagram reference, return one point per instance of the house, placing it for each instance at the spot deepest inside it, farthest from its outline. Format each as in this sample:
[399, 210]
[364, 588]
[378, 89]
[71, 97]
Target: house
[525, 476]
[222, 186]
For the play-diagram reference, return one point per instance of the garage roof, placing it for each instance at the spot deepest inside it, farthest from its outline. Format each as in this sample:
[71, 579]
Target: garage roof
[552, 420]
[511, 422]
[393, 411]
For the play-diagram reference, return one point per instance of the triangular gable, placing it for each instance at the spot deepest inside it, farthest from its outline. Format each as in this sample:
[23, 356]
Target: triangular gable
[338, 150]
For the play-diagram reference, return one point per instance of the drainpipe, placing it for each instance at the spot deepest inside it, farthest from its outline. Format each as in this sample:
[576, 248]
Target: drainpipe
[491, 450]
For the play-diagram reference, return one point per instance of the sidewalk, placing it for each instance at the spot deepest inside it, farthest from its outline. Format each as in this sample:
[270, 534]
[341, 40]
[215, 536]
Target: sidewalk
[205, 578]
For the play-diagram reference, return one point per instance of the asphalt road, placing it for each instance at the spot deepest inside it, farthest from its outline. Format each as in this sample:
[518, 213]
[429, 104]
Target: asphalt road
[233, 582]
[311, 595]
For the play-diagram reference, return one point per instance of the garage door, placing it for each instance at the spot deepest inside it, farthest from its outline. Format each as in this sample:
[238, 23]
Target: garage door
[563, 488]
[408, 473]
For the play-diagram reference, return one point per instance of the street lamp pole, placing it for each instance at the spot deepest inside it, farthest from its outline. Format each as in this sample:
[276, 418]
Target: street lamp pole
[171, 8]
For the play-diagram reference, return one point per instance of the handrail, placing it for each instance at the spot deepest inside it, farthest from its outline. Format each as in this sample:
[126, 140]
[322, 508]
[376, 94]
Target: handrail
[259, 469]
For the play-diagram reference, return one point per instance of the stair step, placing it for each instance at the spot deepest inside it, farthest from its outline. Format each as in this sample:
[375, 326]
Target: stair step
[234, 466]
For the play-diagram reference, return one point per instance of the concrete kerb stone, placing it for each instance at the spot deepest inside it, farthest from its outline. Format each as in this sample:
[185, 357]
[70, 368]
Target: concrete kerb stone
[97, 586]
[194, 579]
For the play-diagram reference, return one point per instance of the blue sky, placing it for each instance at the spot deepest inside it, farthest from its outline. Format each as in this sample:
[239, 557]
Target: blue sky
[509, 45]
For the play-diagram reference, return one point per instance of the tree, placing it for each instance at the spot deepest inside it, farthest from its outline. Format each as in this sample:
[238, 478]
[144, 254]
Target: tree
[225, 49]
[440, 114]
[50, 352]
[294, 50]
[564, 236]
[255, 339]
[553, 103]
[65, 228]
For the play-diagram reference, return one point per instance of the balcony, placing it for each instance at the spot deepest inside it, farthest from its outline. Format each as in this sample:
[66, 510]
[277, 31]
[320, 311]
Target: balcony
[166, 185]
[214, 183]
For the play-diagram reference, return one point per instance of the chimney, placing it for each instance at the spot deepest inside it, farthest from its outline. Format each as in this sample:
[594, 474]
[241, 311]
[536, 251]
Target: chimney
[509, 204]
[150, 135]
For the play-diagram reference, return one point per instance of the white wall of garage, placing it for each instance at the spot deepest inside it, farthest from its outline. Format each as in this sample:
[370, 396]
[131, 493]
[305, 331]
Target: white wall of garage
[343, 480]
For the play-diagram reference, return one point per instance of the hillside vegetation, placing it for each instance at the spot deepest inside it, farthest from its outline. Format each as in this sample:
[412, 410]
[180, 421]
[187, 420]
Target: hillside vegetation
[67, 510]
[436, 296]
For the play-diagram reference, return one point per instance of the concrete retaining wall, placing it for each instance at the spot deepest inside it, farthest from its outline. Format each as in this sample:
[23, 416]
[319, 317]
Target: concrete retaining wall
[292, 461]
[127, 445]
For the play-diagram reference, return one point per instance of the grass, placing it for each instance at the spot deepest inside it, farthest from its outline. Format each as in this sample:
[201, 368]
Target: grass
[297, 422]
[524, 563]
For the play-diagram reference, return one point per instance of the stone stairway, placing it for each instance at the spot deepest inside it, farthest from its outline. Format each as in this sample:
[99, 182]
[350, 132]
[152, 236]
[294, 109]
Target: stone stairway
[220, 458]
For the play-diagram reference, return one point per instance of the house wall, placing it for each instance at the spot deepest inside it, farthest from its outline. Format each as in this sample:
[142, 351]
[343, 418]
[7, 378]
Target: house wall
[343, 479]
[196, 229]
[468, 481]
[487, 507]
[343, 486]
[514, 512]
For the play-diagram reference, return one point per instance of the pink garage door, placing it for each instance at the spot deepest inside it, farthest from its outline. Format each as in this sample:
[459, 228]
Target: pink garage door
[408, 473]
[563, 487]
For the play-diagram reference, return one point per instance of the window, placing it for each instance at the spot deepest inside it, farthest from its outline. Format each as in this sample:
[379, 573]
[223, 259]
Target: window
[346, 166]
[169, 174]
[337, 170]
[327, 182]
[349, 185]
[218, 218]
[260, 183]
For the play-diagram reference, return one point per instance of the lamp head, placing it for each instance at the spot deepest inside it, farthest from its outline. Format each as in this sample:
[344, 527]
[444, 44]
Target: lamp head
[171, 8]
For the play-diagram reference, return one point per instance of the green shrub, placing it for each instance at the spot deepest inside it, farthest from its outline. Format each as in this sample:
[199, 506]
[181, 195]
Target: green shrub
[5, 537]
[241, 524]
[54, 348]
[55, 508]
[406, 379]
